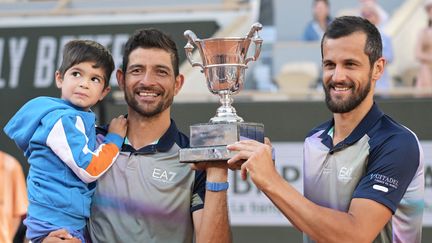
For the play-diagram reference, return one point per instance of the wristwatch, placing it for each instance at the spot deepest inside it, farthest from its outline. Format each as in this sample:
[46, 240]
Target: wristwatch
[216, 186]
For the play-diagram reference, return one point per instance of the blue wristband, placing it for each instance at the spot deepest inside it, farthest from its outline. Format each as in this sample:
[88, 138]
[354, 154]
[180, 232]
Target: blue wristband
[216, 186]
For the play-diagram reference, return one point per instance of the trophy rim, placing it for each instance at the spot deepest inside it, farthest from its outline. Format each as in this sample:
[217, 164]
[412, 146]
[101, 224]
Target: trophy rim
[225, 64]
[223, 38]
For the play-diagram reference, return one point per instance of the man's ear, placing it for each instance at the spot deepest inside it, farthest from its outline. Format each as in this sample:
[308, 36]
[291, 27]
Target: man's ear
[120, 78]
[58, 79]
[179, 81]
[378, 69]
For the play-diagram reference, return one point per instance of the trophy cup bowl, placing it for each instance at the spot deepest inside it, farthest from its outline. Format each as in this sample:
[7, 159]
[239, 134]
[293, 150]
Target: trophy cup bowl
[224, 61]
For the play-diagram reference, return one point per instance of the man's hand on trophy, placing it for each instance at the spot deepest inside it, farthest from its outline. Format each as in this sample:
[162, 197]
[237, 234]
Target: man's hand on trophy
[209, 164]
[218, 164]
[259, 161]
[236, 165]
[216, 171]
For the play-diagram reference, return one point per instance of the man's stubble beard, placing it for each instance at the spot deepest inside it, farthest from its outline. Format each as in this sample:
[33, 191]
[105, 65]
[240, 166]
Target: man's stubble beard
[160, 107]
[350, 104]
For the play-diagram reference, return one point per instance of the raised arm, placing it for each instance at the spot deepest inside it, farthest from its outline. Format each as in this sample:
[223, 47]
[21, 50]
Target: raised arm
[212, 223]
[363, 221]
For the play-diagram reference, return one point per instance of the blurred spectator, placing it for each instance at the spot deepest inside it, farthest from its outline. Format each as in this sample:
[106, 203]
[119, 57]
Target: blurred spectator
[316, 27]
[13, 197]
[321, 19]
[424, 52]
[383, 15]
[370, 11]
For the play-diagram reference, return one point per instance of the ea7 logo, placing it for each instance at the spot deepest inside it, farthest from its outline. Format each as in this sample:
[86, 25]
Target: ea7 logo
[163, 175]
[345, 174]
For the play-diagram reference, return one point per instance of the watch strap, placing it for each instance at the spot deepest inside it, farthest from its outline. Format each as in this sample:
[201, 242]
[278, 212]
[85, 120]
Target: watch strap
[217, 186]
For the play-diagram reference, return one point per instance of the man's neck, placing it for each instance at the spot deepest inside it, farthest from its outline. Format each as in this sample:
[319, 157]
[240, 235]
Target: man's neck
[143, 131]
[345, 123]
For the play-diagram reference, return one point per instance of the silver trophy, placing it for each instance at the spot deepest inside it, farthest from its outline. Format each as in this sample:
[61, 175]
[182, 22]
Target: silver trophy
[224, 61]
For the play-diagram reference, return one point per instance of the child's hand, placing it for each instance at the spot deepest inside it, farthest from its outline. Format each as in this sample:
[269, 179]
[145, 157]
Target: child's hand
[60, 235]
[118, 125]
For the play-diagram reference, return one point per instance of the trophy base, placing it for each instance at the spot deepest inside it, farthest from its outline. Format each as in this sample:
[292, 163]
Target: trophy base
[205, 154]
[208, 141]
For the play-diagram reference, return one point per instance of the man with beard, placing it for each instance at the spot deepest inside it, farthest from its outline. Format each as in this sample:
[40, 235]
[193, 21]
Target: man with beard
[363, 172]
[148, 196]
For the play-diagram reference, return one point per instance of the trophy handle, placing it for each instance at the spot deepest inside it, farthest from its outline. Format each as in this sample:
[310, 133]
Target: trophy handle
[253, 34]
[258, 43]
[254, 29]
[189, 48]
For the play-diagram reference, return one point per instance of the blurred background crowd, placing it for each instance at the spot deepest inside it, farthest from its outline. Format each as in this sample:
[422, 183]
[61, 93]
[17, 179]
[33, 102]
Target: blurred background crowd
[289, 68]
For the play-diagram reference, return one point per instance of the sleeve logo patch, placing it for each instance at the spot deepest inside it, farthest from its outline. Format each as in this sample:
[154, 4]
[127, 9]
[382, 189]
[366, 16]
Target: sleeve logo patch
[380, 188]
[385, 181]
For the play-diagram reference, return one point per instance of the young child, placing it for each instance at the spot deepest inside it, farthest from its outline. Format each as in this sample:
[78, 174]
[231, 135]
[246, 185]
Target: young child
[58, 138]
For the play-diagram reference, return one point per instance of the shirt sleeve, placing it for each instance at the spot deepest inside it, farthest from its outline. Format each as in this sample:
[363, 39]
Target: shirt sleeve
[391, 168]
[70, 143]
[198, 194]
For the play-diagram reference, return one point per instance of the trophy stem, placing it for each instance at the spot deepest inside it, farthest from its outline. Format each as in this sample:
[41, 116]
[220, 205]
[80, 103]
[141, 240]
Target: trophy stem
[226, 113]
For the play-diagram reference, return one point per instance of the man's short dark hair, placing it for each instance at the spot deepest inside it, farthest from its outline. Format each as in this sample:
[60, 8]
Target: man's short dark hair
[78, 51]
[151, 38]
[346, 25]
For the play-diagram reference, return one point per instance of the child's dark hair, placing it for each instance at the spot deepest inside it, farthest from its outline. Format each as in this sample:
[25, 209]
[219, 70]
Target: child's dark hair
[78, 51]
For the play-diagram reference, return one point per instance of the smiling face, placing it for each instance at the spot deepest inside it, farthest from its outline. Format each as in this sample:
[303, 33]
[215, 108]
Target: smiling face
[348, 77]
[149, 83]
[82, 85]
